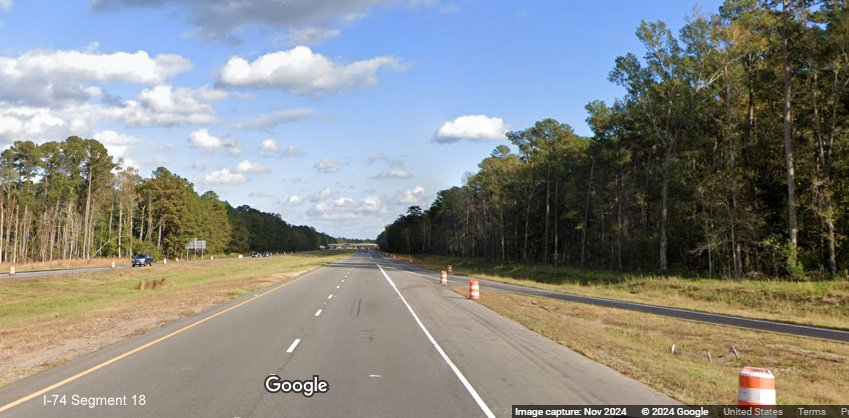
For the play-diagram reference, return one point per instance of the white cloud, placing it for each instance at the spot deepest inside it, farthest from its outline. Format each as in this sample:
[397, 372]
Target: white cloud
[202, 139]
[118, 145]
[46, 78]
[293, 200]
[301, 71]
[165, 99]
[411, 196]
[347, 208]
[474, 127]
[40, 123]
[379, 156]
[247, 167]
[328, 166]
[271, 149]
[273, 119]
[321, 195]
[6, 4]
[223, 176]
[269, 145]
[311, 35]
[292, 151]
[393, 174]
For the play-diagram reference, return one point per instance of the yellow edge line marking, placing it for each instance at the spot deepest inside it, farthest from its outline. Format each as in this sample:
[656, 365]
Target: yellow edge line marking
[137, 349]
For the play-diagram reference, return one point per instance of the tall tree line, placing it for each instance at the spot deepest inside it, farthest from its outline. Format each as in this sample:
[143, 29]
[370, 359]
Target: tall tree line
[726, 156]
[68, 200]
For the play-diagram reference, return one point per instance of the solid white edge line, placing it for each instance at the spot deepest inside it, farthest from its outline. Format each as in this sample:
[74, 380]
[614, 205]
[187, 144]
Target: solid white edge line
[318, 312]
[294, 344]
[445, 357]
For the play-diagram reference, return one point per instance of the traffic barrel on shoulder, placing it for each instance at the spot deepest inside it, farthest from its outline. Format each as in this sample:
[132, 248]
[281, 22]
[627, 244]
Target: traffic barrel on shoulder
[444, 278]
[113, 264]
[12, 271]
[757, 387]
[474, 289]
[449, 268]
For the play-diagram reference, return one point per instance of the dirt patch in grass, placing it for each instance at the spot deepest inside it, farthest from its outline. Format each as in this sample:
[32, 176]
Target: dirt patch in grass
[104, 309]
[808, 371]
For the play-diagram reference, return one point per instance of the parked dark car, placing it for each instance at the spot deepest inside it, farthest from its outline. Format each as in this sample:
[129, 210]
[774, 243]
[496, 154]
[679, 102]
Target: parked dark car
[255, 255]
[142, 260]
[266, 254]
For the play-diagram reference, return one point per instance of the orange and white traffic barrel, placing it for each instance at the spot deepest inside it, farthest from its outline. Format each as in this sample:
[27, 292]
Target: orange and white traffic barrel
[449, 269]
[474, 290]
[12, 271]
[113, 264]
[411, 260]
[757, 387]
[444, 278]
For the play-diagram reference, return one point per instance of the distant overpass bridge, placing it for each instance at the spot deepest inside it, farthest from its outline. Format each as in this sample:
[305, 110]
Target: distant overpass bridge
[352, 246]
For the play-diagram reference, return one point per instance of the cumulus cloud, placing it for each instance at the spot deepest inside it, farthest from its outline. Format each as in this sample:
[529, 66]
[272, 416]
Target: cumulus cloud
[302, 71]
[393, 174]
[269, 145]
[6, 5]
[271, 120]
[48, 78]
[411, 196]
[347, 208]
[166, 99]
[293, 200]
[202, 139]
[271, 149]
[223, 177]
[328, 166]
[119, 146]
[474, 127]
[247, 167]
[321, 195]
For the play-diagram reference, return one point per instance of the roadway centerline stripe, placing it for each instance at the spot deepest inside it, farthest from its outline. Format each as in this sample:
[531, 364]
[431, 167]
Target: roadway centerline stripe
[140, 348]
[294, 344]
[330, 297]
[318, 312]
[337, 287]
[445, 357]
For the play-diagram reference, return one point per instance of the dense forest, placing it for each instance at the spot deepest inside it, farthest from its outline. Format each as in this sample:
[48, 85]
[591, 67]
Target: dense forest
[726, 156]
[69, 199]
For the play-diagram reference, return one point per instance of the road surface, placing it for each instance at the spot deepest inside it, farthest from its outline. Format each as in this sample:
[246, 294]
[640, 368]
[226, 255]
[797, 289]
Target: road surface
[711, 318]
[388, 343]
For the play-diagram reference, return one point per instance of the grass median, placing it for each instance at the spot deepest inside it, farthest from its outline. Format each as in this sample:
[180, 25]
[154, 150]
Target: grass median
[46, 321]
[808, 371]
[817, 303]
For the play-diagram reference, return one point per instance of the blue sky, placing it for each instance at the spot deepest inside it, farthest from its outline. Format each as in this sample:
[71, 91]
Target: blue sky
[337, 114]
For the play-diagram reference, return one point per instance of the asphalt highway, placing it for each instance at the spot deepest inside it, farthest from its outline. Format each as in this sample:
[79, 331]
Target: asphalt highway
[387, 342]
[730, 320]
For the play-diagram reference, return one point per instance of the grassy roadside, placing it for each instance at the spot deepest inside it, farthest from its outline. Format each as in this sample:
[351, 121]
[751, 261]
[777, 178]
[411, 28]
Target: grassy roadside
[817, 303]
[46, 321]
[91, 262]
[808, 371]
